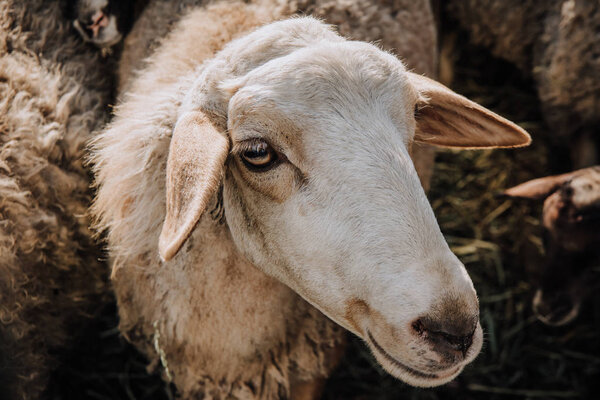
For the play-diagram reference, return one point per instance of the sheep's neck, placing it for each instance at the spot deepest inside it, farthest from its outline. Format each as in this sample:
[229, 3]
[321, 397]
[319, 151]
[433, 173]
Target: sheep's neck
[227, 321]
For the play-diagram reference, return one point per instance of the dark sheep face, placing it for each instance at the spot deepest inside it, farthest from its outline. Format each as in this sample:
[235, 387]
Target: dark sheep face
[103, 22]
[571, 222]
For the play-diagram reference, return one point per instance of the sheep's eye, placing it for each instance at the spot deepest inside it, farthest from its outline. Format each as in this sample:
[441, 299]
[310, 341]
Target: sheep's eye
[259, 156]
[416, 110]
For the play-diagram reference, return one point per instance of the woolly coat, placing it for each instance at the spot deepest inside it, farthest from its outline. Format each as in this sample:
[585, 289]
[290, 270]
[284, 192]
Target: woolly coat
[53, 95]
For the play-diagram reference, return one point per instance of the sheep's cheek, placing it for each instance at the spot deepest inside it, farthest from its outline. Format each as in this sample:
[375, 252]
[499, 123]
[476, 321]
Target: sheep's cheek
[277, 184]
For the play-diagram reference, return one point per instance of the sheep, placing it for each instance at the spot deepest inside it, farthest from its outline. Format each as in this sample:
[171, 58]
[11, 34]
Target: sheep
[104, 22]
[258, 196]
[572, 241]
[53, 94]
[556, 42]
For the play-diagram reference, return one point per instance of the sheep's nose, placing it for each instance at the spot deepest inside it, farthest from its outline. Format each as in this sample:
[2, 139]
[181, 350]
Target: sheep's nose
[450, 337]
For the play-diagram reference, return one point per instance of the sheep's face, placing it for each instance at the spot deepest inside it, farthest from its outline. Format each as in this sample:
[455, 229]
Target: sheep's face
[572, 242]
[320, 192]
[102, 22]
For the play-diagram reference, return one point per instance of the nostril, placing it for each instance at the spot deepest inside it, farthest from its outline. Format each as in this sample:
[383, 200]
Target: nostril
[458, 343]
[567, 192]
[88, 31]
[441, 339]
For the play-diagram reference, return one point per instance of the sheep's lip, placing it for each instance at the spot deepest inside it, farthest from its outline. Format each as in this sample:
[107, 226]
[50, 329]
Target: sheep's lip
[415, 373]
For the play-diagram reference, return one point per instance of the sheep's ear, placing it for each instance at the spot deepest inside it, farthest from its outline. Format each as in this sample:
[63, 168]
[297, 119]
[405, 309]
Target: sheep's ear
[538, 189]
[196, 160]
[445, 118]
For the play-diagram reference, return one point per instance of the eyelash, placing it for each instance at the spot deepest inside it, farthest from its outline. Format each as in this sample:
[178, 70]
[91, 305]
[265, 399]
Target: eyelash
[246, 145]
[257, 146]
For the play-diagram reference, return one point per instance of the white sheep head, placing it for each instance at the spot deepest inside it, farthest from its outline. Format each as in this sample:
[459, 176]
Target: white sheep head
[310, 137]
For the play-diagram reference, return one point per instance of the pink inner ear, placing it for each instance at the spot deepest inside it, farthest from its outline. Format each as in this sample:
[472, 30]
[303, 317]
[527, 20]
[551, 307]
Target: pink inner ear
[196, 160]
[448, 119]
[540, 188]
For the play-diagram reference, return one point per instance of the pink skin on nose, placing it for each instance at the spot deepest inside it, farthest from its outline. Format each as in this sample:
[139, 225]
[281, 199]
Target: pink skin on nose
[99, 20]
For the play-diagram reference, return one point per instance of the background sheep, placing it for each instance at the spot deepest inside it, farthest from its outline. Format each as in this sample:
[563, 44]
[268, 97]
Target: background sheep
[53, 94]
[104, 22]
[133, 165]
[572, 241]
[557, 43]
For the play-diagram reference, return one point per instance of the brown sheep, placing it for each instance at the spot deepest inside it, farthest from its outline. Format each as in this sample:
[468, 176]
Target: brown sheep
[53, 94]
[571, 222]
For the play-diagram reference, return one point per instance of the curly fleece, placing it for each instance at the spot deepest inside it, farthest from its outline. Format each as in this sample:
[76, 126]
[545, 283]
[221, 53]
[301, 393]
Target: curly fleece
[53, 95]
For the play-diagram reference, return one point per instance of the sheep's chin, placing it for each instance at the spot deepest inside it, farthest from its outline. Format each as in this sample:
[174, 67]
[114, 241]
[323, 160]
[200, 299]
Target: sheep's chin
[408, 374]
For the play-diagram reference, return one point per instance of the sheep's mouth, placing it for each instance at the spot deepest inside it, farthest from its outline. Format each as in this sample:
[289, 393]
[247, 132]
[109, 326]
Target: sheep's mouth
[411, 371]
